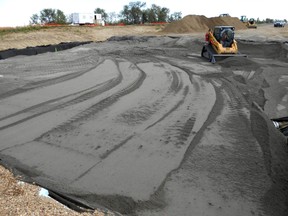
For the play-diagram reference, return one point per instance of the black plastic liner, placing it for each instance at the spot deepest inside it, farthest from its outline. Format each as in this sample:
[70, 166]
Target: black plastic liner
[71, 203]
[40, 49]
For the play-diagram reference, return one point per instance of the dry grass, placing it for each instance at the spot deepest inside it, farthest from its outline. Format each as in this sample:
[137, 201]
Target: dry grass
[19, 198]
[10, 38]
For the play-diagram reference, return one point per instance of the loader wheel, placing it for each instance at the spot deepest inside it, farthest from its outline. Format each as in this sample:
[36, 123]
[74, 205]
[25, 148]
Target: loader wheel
[210, 57]
[203, 50]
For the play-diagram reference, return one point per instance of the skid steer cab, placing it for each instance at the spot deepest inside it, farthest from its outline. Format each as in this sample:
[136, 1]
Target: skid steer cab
[220, 44]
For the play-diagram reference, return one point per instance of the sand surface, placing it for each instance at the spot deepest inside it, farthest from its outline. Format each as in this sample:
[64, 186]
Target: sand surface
[142, 125]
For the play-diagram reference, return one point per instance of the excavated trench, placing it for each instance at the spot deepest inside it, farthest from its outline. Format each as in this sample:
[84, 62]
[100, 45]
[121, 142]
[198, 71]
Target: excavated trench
[145, 126]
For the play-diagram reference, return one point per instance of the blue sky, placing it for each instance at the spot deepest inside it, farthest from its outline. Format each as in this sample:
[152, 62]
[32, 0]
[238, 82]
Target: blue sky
[18, 12]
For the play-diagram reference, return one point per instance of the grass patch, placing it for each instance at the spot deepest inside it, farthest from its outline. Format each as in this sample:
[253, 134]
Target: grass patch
[24, 29]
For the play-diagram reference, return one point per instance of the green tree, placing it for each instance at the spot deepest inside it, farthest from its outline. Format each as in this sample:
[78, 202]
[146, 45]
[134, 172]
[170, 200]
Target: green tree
[111, 18]
[153, 13]
[125, 14]
[268, 20]
[136, 11]
[175, 16]
[132, 13]
[149, 16]
[34, 19]
[60, 17]
[47, 15]
[163, 14]
[103, 13]
[157, 14]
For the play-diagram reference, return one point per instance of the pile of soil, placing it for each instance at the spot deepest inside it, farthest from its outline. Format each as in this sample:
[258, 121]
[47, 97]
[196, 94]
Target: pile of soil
[195, 23]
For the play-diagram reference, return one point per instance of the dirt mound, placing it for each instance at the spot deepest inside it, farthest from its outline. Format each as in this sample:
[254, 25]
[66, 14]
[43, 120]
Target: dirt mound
[195, 23]
[238, 62]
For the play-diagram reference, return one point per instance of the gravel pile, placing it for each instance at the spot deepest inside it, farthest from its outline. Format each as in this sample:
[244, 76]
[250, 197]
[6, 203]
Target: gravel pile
[195, 23]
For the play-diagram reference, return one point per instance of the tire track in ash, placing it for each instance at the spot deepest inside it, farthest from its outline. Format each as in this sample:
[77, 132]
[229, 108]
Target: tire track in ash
[50, 105]
[183, 130]
[137, 115]
[176, 85]
[222, 171]
[180, 133]
[104, 103]
[136, 56]
[186, 89]
[193, 77]
[24, 129]
[42, 83]
[50, 63]
[60, 116]
[236, 103]
[151, 152]
[100, 156]
[144, 113]
[186, 130]
[59, 103]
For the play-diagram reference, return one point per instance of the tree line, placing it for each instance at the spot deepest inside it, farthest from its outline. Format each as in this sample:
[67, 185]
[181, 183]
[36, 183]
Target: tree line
[133, 13]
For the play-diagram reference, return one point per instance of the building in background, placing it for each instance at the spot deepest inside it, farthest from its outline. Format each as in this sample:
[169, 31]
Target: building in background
[86, 18]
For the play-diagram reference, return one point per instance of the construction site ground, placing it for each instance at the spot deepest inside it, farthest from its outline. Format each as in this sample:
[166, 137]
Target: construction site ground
[138, 123]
